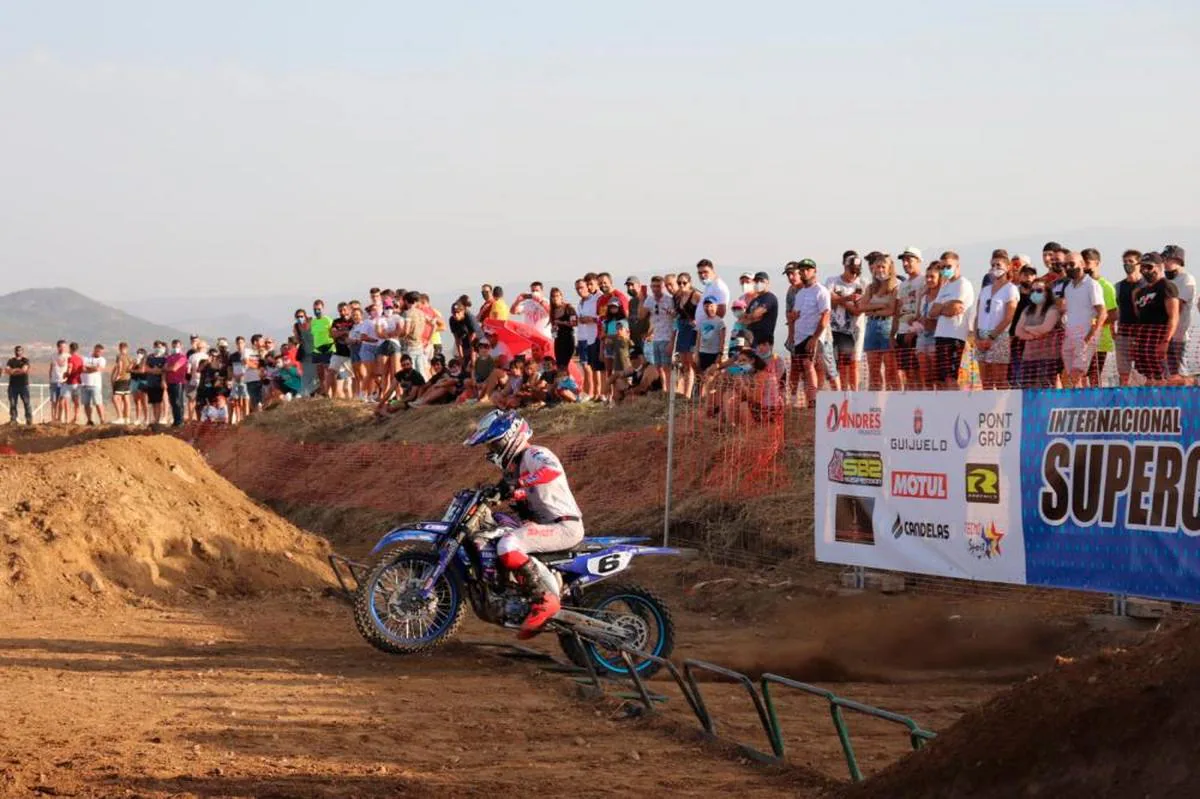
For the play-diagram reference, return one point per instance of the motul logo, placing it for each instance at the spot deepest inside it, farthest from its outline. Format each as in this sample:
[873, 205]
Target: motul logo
[919, 485]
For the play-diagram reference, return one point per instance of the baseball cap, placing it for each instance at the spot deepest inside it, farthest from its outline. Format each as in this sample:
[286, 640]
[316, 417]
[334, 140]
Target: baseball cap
[1173, 251]
[710, 301]
[1052, 246]
[1152, 258]
[913, 251]
[745, 276]
[738, 305]
[790, 266]
[808, 263]
[614, 303]
[1022, 257]
[632, 279]
[761, 276]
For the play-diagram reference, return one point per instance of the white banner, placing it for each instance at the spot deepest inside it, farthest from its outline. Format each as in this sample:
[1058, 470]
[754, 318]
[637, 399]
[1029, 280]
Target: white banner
[923, 482]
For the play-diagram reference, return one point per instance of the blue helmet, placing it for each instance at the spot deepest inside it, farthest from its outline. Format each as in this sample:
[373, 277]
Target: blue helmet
[505, 433]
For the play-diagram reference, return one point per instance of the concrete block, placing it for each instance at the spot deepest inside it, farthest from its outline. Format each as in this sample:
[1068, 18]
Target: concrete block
[1147, 608]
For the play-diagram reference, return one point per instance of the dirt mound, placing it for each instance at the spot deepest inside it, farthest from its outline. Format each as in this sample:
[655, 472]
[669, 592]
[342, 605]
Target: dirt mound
[142, 516]
[1121, 724]
[27, 439]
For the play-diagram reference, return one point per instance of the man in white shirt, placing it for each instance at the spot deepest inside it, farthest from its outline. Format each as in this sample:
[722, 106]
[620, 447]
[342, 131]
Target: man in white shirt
[587, 345]
[92, 384]
[1185, 284]
[954, 309]
[908, 301]
[714, 289]
[1083, 300]
[846, 322]
[993, 316]
[534, 309]
[810, 312]
[658, 311]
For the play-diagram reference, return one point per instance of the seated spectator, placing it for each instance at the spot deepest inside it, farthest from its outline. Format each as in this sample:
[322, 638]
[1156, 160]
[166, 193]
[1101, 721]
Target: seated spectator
[216, 411]
[565, 389]
[533, 390]
[508, 386]
[483, 376]
[446, 384]
[638, 381]
[401, 391]
[549, 369]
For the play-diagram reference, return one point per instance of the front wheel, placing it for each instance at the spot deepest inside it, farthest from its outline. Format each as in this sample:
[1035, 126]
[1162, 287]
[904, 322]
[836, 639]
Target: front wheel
[390, 612]
[641, 613]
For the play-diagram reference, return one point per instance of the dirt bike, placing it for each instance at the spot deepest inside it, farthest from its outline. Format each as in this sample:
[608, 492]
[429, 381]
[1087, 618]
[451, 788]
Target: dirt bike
[409, 597]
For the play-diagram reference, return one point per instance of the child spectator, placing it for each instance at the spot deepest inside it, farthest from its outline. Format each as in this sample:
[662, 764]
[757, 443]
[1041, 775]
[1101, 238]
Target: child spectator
[615, 339]
[216, 412]
[712, 335]
[565, 388]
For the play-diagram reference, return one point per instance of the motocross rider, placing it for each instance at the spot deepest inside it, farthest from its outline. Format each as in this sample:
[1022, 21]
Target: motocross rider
[535, 475]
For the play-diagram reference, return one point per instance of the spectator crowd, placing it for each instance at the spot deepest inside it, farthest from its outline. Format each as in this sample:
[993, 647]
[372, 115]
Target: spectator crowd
[919, 326]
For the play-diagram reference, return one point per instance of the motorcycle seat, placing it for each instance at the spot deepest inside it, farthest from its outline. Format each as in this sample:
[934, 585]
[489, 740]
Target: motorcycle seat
[583, 547]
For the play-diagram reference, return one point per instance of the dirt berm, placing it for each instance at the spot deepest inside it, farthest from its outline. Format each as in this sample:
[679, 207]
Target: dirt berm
[141, 516]
[1120, 725]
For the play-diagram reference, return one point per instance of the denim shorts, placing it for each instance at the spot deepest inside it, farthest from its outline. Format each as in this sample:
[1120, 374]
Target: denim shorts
[658, 352]
[58, 391]
[685, 337]
[92, 395]
[878, 334]
[366, 351]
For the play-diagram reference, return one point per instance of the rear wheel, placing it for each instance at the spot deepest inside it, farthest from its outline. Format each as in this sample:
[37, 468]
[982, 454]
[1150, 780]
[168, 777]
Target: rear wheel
[390, 612]
[643, 615]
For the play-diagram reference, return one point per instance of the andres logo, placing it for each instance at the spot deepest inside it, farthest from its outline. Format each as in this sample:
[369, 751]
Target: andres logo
[983, 483]
[856, 468]
[919, 485]
[843, 417]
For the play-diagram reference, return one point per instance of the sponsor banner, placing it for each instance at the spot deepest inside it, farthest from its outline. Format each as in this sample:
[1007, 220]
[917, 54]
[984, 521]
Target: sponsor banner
[924, 482]
[1110, 487]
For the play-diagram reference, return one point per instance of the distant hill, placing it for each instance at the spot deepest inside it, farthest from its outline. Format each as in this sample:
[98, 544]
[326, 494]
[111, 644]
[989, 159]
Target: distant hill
[36, 318]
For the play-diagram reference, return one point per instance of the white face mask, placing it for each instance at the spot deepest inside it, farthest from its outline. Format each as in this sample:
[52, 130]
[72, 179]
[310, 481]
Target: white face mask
[760, 286]
[537, 295]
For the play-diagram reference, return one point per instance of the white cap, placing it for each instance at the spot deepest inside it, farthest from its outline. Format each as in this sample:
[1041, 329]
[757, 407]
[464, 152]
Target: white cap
[745, 276]
[1022, 257]
[913, 251]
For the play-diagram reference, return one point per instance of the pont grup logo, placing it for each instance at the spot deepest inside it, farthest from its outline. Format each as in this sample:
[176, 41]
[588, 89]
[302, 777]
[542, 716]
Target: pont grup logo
[844, 417]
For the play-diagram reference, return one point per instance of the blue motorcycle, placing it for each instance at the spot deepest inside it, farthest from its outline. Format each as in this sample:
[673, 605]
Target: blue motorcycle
[409, 598]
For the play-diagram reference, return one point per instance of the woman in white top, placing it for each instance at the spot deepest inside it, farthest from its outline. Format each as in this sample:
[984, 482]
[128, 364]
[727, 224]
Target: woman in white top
[993, 317]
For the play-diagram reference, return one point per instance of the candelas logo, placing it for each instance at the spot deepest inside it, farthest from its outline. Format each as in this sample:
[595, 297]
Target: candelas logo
[983, 483]
[930, 531]
[919, 485]
[983, 540]
[855, 467]
[842, 417]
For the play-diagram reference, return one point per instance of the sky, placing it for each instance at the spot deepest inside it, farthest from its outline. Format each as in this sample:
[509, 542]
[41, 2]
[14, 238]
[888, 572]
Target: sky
[152, 149]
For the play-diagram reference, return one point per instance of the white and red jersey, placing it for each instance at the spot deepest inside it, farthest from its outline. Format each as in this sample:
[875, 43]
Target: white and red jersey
[541, 474]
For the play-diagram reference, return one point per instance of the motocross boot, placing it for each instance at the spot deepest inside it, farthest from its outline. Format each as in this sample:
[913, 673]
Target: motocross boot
[544, 601]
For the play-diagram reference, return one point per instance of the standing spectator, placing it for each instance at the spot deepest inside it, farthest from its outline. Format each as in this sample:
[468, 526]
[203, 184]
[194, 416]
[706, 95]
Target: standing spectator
[714, 287]
[92, 384]
[137, 373]
[616, 342]
[388, 328]
[122, 378]
[340, 365]
[17, 370]
[878, 306]
[152, 382]
[954, 312]
[1091, 268]
[412, 328]
[434, 317]
[587, 334]
[485, 308]
[993, 316]
[1025, 278]
[321, 327]
[465, 328]
[762, 311]
[533, 309]
[638, 323]
[712, 333]
[303, 334]
[608, 292]
[1127, 318]
[1185, 285]
[197, 356]
[74, 379]
[499, 308]
[659, 312]
[252, 359]
[58, 386]
[687, 306]
[563, 321]
[846, 320]
[669, 283]
[809, 317]
[1039, 329]
[908, 298]
[925, 326]
[239, 395]
[1085, 315]
[175, 376]
[1157, 304]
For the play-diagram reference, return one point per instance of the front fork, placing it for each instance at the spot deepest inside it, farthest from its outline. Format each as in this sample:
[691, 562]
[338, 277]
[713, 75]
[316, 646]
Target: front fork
[446, 553]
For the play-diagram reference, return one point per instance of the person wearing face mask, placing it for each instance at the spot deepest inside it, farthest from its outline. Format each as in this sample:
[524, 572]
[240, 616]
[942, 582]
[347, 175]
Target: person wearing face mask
[993, 314]
[1091, 268]
[534, 309]
[908, 295]
[137, 374]
[846, 320]
[714, 288]
[175, 373]
[954, 311]
[1039, 329]
[762, 311]
[1084, 304]
[809, 320]
[1185, 285]
[320, 331]
[638, 323]
[1157, 304]
[1026, 274]
[924, 326]
[1127, 318]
